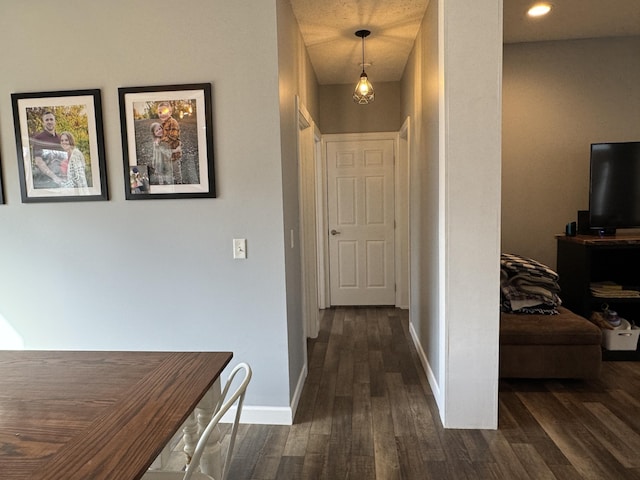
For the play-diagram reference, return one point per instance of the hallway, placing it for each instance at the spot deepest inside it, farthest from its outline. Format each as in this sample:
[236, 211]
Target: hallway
[366, 410]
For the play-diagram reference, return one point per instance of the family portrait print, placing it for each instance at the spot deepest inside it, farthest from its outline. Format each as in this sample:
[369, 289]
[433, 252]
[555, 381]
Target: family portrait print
[167, 141]
[60, 146]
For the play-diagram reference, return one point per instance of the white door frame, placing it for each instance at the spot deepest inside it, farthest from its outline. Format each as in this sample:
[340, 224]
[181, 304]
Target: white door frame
[402, 198]
[403, 214]
[307, 186]
[321, 220]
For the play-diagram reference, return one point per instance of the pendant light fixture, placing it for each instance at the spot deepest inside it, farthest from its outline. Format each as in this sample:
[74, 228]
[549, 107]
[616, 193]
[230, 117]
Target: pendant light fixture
[363, 93]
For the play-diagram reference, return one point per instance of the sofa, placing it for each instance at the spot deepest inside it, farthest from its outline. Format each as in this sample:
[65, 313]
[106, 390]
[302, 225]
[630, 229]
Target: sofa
[565, 345]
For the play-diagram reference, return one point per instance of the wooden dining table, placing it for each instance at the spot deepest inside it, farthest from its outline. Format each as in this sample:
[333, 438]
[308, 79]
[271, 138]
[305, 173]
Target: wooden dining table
[72, 415]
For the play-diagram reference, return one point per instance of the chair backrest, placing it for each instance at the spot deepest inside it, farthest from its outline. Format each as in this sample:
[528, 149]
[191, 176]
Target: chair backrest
[223, 405]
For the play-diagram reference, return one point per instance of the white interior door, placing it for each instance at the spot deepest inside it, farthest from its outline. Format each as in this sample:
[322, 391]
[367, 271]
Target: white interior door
[361, 217]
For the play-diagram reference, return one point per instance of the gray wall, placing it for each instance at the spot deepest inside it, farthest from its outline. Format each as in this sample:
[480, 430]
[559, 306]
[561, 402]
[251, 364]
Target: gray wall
[558, 98]
[157, 275]
[340, 114]
[420, 102]
[296, 78]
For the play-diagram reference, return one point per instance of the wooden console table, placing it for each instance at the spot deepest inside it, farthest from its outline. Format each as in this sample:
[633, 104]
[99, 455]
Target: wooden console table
[95, 415]
[584, 261]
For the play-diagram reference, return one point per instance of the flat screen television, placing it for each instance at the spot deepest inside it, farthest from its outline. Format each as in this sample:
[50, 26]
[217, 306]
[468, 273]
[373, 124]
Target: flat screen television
[614, 186]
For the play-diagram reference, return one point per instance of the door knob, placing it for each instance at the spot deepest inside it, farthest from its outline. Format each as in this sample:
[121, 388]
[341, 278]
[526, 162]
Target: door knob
[335, 232]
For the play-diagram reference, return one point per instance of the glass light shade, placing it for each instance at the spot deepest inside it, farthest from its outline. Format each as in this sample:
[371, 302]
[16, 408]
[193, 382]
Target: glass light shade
[363, 93]
[539, 10]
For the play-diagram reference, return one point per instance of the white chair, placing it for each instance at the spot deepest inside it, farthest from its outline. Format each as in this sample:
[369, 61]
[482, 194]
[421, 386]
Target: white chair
[222, 406]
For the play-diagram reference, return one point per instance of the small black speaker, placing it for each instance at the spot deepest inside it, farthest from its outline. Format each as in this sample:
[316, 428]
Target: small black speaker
[584, 227]
[570, 229]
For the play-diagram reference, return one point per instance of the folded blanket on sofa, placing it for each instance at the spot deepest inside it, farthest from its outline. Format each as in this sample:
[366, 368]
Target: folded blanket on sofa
[544, 290]
[523, 280]
[527, 286]
[515, 264]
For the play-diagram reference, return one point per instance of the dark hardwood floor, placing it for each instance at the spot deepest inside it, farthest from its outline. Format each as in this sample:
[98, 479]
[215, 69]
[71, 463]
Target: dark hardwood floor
[367, 412]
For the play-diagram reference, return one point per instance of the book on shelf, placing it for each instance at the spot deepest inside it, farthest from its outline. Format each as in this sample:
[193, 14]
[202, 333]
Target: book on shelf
[611, 289]
[606, 285]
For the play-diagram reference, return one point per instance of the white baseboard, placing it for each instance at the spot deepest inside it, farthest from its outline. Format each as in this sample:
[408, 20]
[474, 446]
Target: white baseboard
[298, 391]
[265, 415]
[271, 415]
[435, 388]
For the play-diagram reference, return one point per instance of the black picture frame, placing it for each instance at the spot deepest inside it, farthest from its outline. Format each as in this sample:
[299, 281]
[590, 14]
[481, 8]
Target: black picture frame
[158, 164]
[1, 193]
[48, 172]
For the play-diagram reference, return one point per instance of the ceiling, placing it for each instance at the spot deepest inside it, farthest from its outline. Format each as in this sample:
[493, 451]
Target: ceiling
[328, 29]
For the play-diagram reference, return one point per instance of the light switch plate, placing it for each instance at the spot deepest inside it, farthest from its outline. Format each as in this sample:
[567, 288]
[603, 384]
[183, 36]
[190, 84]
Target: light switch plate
[239, 248]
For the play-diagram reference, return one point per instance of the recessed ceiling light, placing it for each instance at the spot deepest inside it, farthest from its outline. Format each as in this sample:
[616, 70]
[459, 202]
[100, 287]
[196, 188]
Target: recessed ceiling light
[539, 9]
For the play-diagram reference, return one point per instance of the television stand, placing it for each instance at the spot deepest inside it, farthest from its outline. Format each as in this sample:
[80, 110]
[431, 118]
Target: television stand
[584, 259]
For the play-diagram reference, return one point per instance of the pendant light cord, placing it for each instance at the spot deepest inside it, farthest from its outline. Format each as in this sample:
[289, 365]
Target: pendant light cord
[363, 54]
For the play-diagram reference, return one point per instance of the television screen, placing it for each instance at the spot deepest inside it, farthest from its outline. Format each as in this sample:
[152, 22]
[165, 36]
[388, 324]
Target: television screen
[614, 188]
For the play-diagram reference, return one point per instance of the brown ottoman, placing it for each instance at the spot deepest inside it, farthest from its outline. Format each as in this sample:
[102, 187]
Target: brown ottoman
[549, 346]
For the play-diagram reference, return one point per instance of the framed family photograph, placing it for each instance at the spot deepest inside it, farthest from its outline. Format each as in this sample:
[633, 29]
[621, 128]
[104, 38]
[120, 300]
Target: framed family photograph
[60, 146]
[167, 141]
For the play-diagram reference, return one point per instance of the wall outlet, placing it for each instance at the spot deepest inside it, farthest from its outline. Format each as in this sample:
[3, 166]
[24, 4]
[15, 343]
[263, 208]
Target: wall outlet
[239, 248]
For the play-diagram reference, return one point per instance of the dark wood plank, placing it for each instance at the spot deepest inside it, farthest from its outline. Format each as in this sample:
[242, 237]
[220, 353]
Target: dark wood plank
[532, 461]
[290, 467]
[377, 382]
[400, 410]
[340, 438]
[248, 461]
[585, 452]
[411, 457]
[324, 401]
[344, 378]
[362, 425]
[313, 466]
[386, 454]
[297, 439]
[504, 456]
[426, 426]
